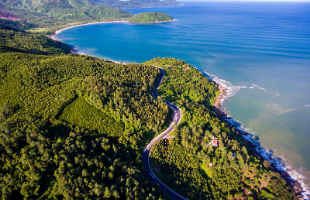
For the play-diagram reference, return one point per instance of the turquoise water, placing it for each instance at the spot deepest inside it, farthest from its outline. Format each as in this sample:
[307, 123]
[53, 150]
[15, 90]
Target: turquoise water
[260, 51]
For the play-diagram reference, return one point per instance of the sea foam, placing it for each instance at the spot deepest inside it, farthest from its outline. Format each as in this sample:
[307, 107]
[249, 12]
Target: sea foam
[278, 162]
[231, 90]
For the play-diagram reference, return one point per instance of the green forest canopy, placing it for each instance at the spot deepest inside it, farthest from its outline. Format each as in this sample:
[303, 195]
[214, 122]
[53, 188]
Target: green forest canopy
[150, 17]
[47, 16]
[74, 126]
[185, 159]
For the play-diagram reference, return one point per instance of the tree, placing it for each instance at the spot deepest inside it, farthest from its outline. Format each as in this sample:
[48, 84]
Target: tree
[106, 193]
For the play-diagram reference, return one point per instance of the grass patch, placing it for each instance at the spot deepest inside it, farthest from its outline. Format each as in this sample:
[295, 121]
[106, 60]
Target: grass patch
[206, 169]
[87, 117]
[45, 29]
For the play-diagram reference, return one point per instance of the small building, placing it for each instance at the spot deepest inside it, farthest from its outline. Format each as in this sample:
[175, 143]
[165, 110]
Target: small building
[215, 141]
[211, 164]
[233, 156]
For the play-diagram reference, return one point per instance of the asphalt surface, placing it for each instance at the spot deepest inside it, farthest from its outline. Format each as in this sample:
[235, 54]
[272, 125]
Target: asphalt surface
[177, 115]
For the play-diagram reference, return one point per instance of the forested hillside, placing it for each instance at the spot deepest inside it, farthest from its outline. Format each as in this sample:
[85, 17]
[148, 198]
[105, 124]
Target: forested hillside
[190, 164]
[150, 17]
[74, 126]
[49, 15]
[14, 40]
[135, 3]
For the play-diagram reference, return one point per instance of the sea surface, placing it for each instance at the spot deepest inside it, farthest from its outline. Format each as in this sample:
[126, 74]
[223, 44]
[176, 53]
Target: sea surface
[260, 51]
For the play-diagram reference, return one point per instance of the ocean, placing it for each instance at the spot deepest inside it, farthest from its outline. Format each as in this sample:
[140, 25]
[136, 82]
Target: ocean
[259, 51]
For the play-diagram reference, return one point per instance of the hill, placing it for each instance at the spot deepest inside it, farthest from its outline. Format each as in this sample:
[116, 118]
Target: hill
[14, 40]
[74, 126]
[150, 17]
[229, 170]
[50, 15]
[7, 15]
[135, 3]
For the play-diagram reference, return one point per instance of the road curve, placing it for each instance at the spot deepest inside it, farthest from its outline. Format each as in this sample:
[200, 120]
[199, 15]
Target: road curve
[177, 115]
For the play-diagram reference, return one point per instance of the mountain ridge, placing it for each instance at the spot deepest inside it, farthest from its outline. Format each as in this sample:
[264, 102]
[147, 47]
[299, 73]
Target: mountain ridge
[135, 3]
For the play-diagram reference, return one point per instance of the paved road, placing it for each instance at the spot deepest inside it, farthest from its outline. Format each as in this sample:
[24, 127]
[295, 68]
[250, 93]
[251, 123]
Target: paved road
[177, 115]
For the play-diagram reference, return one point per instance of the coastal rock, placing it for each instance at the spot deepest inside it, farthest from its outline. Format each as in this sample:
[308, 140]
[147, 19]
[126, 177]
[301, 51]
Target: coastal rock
[284, 174]
[297, 189]
[297, 183]
[300, 197]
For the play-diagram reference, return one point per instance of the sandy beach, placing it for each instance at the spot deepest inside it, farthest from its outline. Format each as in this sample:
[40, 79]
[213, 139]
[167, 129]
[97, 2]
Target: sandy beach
[59, 31]
[223, 93]
[73, 50]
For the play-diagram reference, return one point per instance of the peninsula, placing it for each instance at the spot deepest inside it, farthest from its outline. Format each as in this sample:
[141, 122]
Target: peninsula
[150, 17]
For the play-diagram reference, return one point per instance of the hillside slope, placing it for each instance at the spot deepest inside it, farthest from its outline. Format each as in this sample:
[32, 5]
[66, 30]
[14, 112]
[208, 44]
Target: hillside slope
[14, 40]
[57, 13]
[150, 17]
[228, 170]
[74, 126]
[135, 3]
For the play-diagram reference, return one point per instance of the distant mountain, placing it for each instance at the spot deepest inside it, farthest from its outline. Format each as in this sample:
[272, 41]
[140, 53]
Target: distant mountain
[4, 14]
[58, 13]
[135, 3]
[44, 6]
[59, 8]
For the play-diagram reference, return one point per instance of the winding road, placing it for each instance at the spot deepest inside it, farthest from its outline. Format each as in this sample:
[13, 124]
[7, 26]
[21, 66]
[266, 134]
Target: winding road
[177, 115]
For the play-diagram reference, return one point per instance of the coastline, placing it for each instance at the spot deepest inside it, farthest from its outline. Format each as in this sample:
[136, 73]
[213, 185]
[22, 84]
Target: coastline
[74, 51]
[292, 178]
[221, 97]
[277, 166]
[104, 22]
[60, 30]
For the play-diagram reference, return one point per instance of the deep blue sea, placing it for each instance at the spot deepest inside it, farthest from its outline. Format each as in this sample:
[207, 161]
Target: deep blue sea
[260, 51]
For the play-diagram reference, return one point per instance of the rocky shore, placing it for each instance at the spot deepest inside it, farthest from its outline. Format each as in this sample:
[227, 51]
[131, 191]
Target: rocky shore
[295, 185]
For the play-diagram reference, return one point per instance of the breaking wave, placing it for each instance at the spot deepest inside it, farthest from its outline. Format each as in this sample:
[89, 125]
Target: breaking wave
[231, 89]
[278, 162]
[256, 86]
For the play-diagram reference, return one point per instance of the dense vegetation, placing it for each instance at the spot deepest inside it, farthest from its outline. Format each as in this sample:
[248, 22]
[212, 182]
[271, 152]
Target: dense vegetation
[49, 15]
[135, 3]
[74, 126]
[13, 40]
[184, 162]
[150, 17]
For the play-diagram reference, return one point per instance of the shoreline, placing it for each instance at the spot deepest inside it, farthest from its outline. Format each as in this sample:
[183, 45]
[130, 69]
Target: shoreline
[104, 22]
[223, 93]
[85, 24]
[277, 166]
[290, 176]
